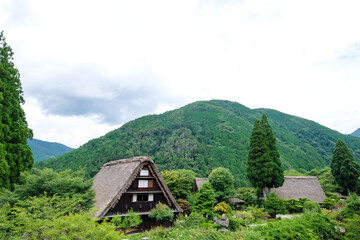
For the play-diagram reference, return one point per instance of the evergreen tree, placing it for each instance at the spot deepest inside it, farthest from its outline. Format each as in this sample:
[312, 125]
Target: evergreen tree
[204, 202]
[343, 167]
[264, 166]
[15, 154]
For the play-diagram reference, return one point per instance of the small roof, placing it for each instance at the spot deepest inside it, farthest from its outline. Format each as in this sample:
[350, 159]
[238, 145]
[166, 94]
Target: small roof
[235, 200]
[301, 187]
[114, 178]
[199, 182]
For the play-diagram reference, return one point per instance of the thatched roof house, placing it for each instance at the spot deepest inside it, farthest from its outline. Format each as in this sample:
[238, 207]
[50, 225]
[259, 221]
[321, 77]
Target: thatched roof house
[133, 183]
[301, 187]
[199, 182]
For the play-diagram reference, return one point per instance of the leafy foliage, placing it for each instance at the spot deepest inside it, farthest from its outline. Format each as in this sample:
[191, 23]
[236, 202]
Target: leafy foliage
[294, 206]
[222, 181]
[311, 207]
[247, 194]
[352, 207]
[184, 205]
[180, 182]
[274, 205]
[161, 212]
[15, 154]
[204, 201]
[343, 167]
[133, 220]
[352, 227]
[47, 181]
[310, 226]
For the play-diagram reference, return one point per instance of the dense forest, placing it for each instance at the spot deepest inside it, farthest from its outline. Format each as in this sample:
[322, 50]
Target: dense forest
[207, 134]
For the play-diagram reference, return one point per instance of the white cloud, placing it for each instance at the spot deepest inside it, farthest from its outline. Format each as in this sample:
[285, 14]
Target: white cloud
[299, 57]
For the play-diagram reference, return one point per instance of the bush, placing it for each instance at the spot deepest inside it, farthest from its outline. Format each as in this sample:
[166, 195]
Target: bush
[194, 219]
[235, 223]
[204, 202]
[352, 226]
[311, 207]
[222, 207]
[274, 205]
[329, 202]
[161, 212]
[310, 226]
[352, 207]
[293, 205]
[185, 206]
[247, 194]
[246, 218]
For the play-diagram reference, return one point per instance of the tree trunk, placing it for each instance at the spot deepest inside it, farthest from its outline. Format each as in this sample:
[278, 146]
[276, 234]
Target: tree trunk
[348, 191]
[264, 193]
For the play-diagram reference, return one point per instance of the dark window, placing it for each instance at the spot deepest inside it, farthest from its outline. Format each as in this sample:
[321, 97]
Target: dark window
[142, 197]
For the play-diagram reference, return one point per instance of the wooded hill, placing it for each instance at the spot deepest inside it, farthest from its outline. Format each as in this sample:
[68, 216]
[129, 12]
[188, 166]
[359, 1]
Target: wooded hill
[204, 135]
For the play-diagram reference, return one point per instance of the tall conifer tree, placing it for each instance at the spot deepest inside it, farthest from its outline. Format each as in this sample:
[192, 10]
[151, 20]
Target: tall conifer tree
[343, 167]
[264, 170]
[15, 154]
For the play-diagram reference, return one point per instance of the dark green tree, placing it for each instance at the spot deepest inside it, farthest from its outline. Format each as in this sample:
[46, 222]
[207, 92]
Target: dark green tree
[204, 202]
[15, 154]
[343, 167]
[222, 181]
[264, 166]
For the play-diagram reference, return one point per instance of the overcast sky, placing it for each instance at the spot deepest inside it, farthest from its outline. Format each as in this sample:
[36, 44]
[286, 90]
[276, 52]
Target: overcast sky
[87, 67]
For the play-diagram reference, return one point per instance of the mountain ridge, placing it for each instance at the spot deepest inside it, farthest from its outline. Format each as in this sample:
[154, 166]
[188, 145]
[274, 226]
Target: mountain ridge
[205, 135]
[43, 150]
[356, 133]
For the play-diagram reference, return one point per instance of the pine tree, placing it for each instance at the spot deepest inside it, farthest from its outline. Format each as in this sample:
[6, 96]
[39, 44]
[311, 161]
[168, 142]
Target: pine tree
[204, 202]
[264, 170]
[343, 167]
[15, 154]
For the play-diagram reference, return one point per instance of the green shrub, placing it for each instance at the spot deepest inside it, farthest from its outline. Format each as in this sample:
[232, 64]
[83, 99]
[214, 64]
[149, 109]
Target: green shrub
[185, 206]
[329, 202]
[293, 205]
[274, 205]
[193, 220]
[352, 226]
[311, 207]
[352, 207]
[309, 226]
[235, 223]
[246, 218]
[161, 212]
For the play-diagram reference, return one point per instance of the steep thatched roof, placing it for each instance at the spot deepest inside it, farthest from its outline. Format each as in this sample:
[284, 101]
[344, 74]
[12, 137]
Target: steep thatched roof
[199, 182]
[301, 187]
[114, 178]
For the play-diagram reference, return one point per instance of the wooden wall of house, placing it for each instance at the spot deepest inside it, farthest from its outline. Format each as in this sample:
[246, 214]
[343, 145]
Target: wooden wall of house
[125, 204]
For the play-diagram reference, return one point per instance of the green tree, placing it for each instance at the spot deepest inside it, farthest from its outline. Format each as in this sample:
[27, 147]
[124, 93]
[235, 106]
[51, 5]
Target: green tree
[47, 181]
[180, 182]
[264, 166]
[204, 202]
[343, 167]
[161, 212]
[222, 181]
[15, 154]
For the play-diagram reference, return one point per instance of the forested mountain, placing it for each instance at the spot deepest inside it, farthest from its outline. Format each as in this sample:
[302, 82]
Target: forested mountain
[356, 133]
[207, 134]
[43, 150]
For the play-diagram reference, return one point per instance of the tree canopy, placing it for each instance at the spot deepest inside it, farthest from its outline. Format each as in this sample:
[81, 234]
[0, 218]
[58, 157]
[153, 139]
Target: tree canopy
[264, 168]
[222, 181]
[180, 182]
[15, 154]
[343, 167]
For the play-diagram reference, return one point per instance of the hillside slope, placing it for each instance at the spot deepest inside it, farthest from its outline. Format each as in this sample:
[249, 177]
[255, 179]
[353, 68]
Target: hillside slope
[204, 135]
[43, 150]
[356, 133]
